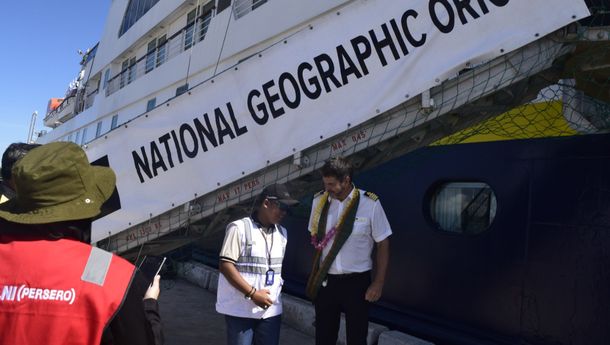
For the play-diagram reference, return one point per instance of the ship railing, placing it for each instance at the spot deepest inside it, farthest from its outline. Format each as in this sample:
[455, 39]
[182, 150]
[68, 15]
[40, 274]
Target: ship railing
[90, 98]
[178, 43]
[243, 7]
[183, 40]
[79, 105]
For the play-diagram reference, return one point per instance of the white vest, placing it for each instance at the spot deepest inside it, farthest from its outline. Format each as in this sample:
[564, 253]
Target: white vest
[253, 265]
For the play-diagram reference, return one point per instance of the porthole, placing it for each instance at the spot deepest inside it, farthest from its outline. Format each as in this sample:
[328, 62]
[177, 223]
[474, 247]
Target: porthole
[463, 207]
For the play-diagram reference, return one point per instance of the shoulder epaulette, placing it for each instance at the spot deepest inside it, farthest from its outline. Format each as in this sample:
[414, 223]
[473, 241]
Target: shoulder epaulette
[319, 193]
[372, 196]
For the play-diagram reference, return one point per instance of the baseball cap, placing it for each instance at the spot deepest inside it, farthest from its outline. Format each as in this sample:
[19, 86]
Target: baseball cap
[279, 192]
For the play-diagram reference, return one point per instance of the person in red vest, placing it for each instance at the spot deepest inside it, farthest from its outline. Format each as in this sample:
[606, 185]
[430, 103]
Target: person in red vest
[55, 288]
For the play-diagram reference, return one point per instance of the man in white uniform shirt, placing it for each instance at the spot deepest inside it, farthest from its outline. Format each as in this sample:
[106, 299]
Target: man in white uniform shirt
[345, 225]
[250, 282]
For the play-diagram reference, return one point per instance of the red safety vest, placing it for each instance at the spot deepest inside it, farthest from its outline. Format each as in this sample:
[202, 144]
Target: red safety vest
[58, 292]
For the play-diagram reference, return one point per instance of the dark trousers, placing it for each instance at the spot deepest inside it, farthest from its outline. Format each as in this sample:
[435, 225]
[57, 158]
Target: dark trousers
[343, 293]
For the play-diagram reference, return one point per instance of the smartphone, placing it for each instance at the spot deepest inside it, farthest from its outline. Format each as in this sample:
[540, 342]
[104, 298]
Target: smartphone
[151, 266]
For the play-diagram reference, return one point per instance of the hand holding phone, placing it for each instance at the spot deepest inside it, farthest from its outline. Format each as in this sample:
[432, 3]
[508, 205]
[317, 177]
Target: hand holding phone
[154, 289]
[150, 267]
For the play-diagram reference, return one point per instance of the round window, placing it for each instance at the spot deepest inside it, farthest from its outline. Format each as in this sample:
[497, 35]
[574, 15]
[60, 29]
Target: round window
[463, 207]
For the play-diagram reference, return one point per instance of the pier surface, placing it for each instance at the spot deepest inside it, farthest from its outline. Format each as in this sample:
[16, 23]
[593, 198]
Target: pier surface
[189, 317]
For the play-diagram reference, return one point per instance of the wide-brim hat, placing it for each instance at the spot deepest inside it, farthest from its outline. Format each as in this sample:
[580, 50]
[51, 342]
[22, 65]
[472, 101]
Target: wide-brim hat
[55, 183]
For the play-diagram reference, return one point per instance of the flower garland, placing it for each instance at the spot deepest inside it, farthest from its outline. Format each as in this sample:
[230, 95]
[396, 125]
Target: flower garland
[317, 213]
[320, 244]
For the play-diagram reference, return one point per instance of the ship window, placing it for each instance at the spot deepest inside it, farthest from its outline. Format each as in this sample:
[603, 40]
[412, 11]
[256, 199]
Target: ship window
[106, 78]
[115, 120]
[83, 139]
[77, 138]
[150, 55]
[222, 4]
[161, 50]
[128, 72]
[204, 21]
[123, 78]
[257, 3]
[243, 7]
[98, 129]
[135, 10]
[132, 70]
[463, 207]
[151, 104]
[189, 31]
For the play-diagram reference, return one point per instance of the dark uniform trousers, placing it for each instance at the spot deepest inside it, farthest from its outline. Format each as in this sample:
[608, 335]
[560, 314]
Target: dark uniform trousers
[343, 293]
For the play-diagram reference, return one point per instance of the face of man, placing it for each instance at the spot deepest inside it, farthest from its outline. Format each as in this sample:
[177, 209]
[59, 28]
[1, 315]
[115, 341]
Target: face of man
[271, 212]
[338, 189]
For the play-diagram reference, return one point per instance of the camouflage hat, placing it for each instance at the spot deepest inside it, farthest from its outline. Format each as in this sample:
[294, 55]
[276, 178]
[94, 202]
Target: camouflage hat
[55, 183]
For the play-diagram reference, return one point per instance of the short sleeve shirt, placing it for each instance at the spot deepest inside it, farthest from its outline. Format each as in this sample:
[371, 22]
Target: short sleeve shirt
[231, 246]
[371, 226]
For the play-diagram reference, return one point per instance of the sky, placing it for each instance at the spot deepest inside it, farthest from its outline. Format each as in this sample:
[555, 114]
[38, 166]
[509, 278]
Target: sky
[39, 57]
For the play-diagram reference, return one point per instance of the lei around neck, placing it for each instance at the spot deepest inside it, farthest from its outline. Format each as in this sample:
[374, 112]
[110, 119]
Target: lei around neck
[320, 244]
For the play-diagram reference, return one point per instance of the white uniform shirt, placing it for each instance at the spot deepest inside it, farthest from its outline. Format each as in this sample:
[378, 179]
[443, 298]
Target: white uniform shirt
[371, 226]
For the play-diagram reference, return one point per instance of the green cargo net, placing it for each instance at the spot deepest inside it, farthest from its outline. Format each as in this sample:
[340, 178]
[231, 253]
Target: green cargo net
[578, 102]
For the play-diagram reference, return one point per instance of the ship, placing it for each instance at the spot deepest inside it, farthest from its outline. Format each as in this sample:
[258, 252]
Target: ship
[197, 105]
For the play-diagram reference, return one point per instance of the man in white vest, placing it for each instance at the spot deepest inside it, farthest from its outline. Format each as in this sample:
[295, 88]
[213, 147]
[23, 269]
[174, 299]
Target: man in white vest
[250, 282]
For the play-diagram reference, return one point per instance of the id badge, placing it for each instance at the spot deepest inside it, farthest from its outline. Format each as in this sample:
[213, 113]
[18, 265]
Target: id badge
[269, 277]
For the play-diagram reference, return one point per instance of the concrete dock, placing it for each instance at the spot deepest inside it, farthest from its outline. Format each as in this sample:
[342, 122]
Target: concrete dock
[189, 317]
[187, 306]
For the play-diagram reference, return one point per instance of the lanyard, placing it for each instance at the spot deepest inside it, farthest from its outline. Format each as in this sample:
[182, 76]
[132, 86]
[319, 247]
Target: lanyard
[267, 248]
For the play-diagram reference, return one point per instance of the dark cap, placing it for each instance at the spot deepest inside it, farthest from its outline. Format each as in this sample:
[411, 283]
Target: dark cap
[280, 193]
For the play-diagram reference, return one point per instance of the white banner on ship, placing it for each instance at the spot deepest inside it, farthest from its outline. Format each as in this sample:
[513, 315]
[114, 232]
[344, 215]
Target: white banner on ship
[347, 69]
